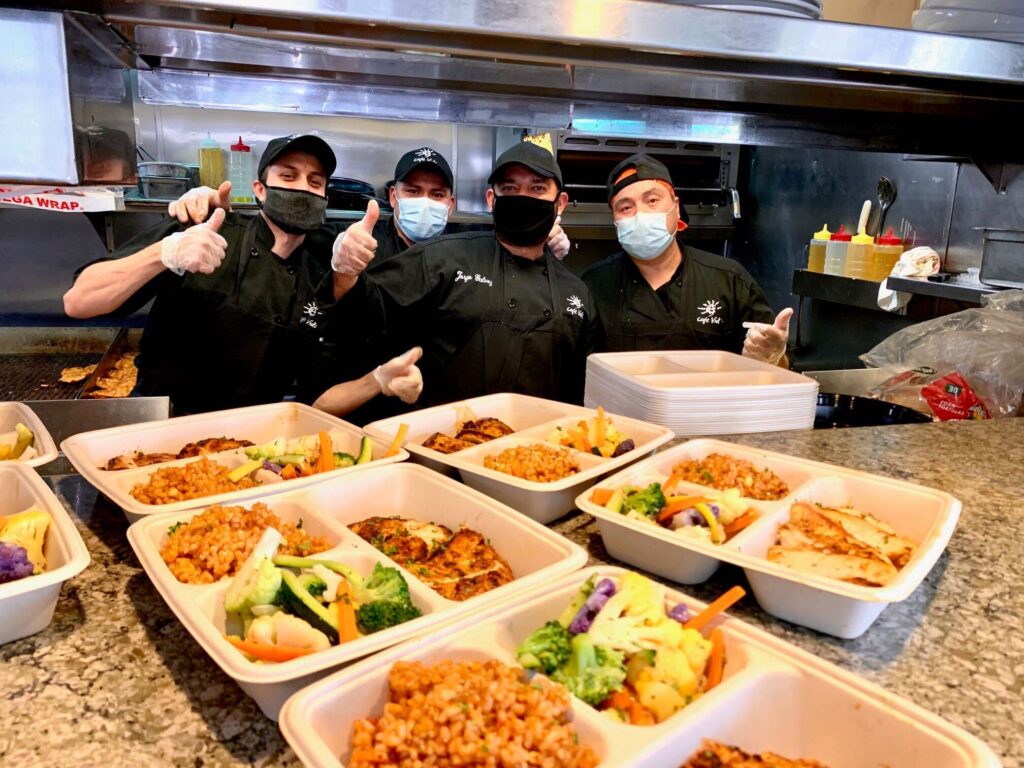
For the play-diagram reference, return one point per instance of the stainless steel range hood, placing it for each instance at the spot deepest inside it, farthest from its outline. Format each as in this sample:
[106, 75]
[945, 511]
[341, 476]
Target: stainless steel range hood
[627, 67]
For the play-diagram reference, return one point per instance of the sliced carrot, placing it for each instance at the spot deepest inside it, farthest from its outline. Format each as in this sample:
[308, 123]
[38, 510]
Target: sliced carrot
[396, 444]
[678, 506]
[618, 700]
[740, 523]
[325, 459]
[599, 427]
[347, 629]
[289, 472]
[716, 661]
[265, 652]
[673, 480]
[600, 496]
[722, 603]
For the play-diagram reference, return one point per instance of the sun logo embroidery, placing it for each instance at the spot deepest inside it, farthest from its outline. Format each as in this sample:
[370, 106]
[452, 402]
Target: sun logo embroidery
[575, 306]
[309, 314]
[424, 155]
[707, 313]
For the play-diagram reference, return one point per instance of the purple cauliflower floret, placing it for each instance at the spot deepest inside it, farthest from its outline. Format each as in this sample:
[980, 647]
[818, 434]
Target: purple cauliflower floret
[581, 623]
[14, 563]
[680, 613]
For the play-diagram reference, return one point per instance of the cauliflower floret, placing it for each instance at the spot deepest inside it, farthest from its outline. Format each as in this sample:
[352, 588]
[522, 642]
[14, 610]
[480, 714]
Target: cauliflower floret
[697, 650]
[287, 631]
[697, 532]
[731, 505]
[669, 685]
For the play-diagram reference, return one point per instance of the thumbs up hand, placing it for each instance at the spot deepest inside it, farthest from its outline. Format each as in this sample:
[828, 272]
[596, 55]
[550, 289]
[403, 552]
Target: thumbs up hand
[355, 247]
[198, 249]
[558, 241]
[194, 206]
[400, 376]
[767, 341]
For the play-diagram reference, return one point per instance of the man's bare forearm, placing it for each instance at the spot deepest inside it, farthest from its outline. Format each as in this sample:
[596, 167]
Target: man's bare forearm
[105, 286]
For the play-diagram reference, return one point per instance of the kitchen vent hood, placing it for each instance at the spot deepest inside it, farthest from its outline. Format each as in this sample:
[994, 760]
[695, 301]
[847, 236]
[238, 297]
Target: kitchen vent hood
[610, 67]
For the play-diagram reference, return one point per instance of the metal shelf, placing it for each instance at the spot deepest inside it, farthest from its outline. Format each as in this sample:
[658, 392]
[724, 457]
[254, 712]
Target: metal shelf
[953, 290]
[838, 289]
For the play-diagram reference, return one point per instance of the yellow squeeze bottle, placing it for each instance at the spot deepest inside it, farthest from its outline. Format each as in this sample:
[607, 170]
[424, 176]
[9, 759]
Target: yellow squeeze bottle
[860, 257]
[211, 163]
[816, 251]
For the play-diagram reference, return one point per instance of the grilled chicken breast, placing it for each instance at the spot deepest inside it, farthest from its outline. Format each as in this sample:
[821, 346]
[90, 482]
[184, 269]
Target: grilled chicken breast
[457, 566]
[198, 448]
[714, 754]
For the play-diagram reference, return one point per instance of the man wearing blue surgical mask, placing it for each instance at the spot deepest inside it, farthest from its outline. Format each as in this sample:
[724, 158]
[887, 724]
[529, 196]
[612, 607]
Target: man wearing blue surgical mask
[657, 294]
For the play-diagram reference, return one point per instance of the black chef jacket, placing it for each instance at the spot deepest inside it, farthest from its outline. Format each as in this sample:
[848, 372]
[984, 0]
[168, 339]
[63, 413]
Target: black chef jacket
[703, 306]
[488, 321]
[254, 331]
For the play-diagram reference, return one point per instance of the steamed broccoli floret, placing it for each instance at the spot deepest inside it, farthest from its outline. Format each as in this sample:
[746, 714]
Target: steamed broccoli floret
[577, 602]
[384, 599]
[592, 673]
[647, 502]
[373, 617]
[546, 649]
[14, 563]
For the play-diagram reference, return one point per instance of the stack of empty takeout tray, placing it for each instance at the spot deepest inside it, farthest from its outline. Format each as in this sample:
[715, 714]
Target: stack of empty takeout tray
[702, 392]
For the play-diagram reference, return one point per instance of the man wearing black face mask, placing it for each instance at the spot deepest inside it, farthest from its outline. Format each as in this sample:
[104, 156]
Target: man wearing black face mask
[240, 301]
[493, 311]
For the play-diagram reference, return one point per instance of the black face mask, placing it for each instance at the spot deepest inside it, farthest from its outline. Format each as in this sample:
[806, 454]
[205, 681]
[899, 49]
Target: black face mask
[296, 211]
[523, 220]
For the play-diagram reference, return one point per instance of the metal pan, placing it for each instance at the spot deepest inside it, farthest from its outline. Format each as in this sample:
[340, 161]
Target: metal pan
[838, 411]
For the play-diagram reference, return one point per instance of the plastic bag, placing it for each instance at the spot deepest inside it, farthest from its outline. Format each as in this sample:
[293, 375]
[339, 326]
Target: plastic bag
[984, 347]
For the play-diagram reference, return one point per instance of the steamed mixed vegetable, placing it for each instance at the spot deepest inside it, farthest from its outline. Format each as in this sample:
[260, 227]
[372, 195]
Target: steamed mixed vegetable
[713, 516]
[303, 456]
[617, 648]
[23, 543]
[281, 607]
[18, 445]
[597, 436]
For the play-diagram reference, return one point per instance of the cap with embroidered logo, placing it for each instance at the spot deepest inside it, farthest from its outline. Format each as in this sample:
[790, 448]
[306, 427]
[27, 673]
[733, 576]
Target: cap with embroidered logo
[426, 158]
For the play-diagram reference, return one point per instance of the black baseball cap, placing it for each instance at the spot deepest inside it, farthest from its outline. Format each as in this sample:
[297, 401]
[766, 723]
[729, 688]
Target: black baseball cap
[636, 168]
[533, 156]
[299, 142]
[424, 157]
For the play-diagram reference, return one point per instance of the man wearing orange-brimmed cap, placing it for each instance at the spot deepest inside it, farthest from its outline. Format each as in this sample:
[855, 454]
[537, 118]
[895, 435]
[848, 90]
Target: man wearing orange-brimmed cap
[657, 294]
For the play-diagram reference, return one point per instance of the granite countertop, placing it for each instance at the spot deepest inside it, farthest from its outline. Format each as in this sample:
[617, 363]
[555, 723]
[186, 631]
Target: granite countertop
[116, 680]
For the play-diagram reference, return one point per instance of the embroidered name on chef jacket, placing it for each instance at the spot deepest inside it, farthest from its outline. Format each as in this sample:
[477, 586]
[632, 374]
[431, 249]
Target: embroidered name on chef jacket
[575, 307]
[310, 313]
[462, 277]
[707, 313]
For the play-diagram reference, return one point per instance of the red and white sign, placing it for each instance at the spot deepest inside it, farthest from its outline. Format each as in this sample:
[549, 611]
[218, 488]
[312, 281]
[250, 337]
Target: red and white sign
[63, 199]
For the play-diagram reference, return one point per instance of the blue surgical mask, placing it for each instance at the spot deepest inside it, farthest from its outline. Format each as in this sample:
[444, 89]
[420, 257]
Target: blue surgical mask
[644, 236]
[421, 218]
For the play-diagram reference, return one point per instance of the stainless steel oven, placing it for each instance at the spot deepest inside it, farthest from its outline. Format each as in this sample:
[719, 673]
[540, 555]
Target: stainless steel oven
[704, 176]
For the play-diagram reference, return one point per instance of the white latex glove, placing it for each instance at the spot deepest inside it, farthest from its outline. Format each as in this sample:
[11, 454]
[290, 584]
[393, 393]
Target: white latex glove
[767, 342]
[194, 206]
[354, 248]
[400, 377]
[197, 249]
[558, 241]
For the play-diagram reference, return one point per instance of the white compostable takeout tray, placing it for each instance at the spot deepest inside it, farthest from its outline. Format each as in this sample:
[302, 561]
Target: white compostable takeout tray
[924, 515]
[259, 424]
[27, 604]
[701, 392]
[818, 711]
[13, 412]
[533, 419]
[535, 555]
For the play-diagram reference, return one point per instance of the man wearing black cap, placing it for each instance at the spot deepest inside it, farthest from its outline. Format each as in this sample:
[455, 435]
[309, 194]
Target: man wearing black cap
[240, 302]
[493, 311]
[656, 294]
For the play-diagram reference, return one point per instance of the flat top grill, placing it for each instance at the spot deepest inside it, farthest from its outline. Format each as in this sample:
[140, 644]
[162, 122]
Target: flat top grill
[37, 377]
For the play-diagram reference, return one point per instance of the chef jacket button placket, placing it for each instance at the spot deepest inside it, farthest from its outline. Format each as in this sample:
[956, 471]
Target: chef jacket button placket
[254, 253]
[547, 313]
[679, 282]
[290, 270]
[278, 319]
[512, 303]
[545, 271]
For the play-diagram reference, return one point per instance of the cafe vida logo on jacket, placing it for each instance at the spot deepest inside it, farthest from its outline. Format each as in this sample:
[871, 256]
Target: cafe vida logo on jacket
[575, 307]
[708, 312]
